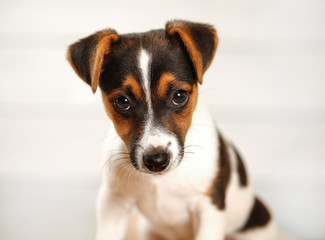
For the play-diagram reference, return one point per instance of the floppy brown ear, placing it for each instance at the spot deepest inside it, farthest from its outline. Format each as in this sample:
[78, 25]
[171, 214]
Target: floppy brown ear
[86, 56]
[200, 40]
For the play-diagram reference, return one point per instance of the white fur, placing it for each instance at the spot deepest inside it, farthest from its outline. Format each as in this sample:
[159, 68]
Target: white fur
[175, 203]
[144, 66]
[240, 199]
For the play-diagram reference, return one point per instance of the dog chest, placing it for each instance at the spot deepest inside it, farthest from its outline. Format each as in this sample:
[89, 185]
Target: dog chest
[166, 203]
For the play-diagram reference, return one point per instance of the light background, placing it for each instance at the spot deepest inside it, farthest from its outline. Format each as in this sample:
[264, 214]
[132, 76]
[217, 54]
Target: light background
[266, 87]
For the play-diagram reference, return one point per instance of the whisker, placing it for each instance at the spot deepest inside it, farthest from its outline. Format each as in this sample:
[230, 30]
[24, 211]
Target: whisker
[132, 172]
[115, 154]
[119, 163]
[104, 138]
[117, 173]
[198, 146]
[189, 152]
[194, 145]
[111, 161]
[204, 125]
[125, 170]
[210, 89]
[116, 151]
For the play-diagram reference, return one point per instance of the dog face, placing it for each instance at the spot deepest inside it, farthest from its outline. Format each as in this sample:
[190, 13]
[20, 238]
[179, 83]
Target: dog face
[149, 84]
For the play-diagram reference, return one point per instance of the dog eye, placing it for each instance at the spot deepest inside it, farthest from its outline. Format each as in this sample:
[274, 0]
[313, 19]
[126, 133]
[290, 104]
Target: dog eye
[122, 104]
[180, 98]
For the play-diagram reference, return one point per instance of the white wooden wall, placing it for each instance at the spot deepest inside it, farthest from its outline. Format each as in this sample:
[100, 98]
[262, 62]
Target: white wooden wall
[266, 88]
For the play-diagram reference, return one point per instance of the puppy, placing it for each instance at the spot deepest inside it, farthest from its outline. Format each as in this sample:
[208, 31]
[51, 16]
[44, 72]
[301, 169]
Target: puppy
[165, 156]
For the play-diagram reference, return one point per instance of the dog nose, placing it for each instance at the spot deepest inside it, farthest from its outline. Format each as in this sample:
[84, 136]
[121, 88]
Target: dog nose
[156, 160]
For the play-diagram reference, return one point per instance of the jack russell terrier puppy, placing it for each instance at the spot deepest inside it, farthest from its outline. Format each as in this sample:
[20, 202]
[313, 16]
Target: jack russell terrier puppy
[165, 156]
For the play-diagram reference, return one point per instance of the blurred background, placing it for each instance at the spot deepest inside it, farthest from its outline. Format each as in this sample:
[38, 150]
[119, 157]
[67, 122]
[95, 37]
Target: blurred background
[266, 87]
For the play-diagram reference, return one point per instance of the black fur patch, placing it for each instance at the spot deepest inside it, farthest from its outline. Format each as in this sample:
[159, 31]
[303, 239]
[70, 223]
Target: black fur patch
[241, 169]
[80, 55]
[222, 180]
[258, 217]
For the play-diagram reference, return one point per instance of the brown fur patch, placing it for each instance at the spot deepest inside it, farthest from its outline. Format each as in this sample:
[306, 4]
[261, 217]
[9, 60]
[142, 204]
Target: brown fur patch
[164, 81]
[183, 120]
[96, 61]
[122, 125]
[168, 79]
[218, 190]
[134, 85]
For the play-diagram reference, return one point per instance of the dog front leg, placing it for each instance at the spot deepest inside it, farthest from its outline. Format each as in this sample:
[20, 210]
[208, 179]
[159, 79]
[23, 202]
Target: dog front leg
[113, 212]
[209, 221]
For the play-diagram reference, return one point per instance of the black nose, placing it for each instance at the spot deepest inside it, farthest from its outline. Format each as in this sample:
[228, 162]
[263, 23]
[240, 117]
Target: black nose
[156, 161]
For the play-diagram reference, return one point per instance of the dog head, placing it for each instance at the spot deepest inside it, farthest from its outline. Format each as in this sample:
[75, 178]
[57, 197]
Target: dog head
[149, 84]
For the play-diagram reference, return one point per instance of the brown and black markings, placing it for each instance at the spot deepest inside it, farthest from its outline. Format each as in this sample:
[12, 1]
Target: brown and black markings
[220, 184]
[87, 55]
[219, 188]
[179, 55]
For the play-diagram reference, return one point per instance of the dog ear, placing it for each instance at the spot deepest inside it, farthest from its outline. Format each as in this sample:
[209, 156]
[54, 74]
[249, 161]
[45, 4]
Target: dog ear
[86, 56]
[200, 41]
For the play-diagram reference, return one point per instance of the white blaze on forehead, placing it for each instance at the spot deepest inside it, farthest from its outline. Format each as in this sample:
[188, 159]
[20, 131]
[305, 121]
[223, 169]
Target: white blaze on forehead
[144, 60]
[144, 64]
